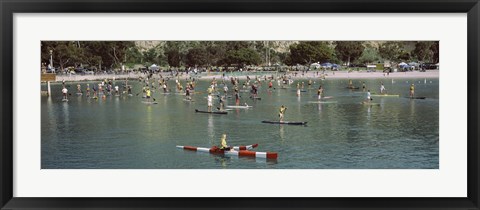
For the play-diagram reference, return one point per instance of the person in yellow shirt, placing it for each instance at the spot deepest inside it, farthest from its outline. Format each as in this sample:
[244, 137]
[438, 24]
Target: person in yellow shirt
[148, 94]
[282, 112]
[412, 90]
[223, 142]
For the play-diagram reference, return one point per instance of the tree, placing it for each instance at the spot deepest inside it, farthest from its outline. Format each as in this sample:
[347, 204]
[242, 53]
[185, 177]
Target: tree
[197, 57]
[173, 57]
[243, 56]
[390, 50]
[369, 55]
[426, 51]
[308, 52]
[349, 51]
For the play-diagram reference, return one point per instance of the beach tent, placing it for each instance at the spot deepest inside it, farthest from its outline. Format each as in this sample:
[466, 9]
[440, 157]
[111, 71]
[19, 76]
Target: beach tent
[154, 67]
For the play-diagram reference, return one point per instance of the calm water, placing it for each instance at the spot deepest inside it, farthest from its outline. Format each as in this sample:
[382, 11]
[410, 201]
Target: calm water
[123, 133]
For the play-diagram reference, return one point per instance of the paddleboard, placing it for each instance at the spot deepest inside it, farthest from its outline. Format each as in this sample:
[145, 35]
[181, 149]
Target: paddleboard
[385, 95]
[188, 100]
[130, 94]
[370, 104]
[65, 100]
[256, 98]
[353, 88]
[418, 97]
[239, 107]
[79, 94]
[206, 112]
[285, 122]
[149, 102]
[323, 102]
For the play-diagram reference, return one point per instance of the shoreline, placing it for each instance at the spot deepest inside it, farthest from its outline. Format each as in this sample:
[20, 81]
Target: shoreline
[252, 75]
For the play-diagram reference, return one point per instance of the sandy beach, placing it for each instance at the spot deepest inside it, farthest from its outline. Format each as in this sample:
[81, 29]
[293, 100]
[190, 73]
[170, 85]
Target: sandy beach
[243, 75]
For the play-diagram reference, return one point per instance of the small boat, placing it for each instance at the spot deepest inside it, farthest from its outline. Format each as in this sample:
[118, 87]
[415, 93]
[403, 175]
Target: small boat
[239, 107]
[207, 112]
[385, 95]
[240, 153]
[285, 122]
[417, 97]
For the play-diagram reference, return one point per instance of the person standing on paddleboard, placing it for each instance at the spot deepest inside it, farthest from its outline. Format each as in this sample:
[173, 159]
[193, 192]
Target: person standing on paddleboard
[364, 87]
[382, 88]
[64, 91]
[148, 94]
[412, 90]
[320, 92]
[209, 102]
[281, 112]
[79, 89]
[88, 90]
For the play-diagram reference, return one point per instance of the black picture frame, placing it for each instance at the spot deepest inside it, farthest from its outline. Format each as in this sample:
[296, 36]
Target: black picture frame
[10, 7]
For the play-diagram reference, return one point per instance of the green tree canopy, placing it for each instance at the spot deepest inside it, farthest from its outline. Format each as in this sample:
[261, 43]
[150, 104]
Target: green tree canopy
[306, 53]
[349, 51]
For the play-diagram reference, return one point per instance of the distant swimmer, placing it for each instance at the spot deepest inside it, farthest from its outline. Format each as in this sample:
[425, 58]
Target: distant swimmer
[320, 92]
[209, 102]
[382, 88]
[64, 92]
[412, 90]
[281, 112]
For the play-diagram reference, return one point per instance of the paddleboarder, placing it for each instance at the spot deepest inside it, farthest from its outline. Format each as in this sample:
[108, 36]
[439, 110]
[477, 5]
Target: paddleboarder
[209, 102]
[281, 112]
[64, 91]
[382, 88]
[320, 92]
[412, 90]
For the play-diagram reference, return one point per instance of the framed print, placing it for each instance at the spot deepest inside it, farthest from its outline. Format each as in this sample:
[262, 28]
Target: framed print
[239, 105]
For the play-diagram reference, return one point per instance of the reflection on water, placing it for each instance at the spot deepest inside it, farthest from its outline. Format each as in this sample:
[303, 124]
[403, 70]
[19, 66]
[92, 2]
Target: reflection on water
[123, 132]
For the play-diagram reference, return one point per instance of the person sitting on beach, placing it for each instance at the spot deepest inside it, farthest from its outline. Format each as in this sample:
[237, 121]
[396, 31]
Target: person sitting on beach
[281, 112]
